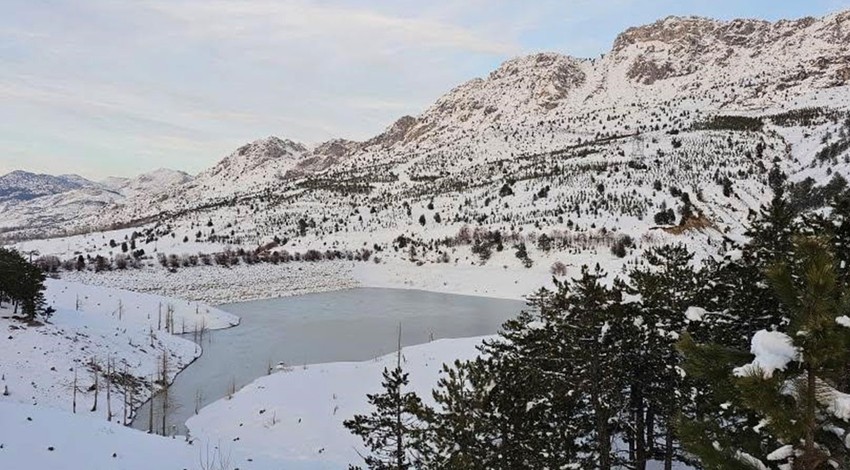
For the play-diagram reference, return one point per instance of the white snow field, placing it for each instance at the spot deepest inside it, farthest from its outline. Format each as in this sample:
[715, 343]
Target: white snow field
[297, 414]
[96, 325]
[42, 438]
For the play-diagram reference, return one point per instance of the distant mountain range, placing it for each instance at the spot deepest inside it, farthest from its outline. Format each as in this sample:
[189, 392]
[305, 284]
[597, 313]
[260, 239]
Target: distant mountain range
[23, 186]
[689, 105]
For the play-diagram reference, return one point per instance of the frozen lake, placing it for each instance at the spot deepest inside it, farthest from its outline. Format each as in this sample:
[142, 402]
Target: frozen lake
[348, 325]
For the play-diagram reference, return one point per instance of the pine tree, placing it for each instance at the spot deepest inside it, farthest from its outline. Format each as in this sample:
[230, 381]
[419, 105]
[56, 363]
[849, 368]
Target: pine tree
[529, 414]
[393, 432]
[798, 399]
[464, 431]
[22, 283]
[772, 229]
[666, 289]
[591, 341]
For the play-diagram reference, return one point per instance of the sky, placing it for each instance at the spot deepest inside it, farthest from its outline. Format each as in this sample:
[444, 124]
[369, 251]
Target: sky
[116, 88]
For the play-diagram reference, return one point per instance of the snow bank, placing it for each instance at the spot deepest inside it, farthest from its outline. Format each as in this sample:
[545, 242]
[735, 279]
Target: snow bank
[695, 314]
[43, 438]
[298, 414]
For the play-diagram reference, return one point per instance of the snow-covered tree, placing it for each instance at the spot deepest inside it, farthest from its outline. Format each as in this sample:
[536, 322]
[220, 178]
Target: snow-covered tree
[793, 381]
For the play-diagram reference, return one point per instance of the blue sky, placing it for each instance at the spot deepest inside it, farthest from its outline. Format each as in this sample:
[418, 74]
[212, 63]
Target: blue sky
[109, 87]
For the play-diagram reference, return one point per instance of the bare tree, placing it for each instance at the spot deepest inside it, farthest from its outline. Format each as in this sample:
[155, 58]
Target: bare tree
[150, 409]
[96, 386]
[199, 398]
[164, 398]
[213, 458]
[108, 378]
[74, 392]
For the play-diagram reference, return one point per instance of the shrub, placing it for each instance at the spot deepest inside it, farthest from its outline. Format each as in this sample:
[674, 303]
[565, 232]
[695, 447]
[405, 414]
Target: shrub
[558, 269]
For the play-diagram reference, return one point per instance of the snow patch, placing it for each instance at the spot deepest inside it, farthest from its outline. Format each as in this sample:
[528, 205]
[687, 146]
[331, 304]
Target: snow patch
[773, 351]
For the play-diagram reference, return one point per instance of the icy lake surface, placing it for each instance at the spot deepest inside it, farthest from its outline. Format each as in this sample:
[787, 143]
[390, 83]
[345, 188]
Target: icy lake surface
[348, 325]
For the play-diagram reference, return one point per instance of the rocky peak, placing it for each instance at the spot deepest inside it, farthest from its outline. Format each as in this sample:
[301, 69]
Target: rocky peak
[272, 147]
[256, 154]
[337, 148]
[397, 132]
[22, 185]
[679, 46]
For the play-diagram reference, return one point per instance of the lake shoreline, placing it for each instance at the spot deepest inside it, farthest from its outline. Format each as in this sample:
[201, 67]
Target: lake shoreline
[220, 286]
[350, 325]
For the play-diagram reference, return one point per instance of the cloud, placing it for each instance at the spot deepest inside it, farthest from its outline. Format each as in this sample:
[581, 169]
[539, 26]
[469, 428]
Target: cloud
[294, 20]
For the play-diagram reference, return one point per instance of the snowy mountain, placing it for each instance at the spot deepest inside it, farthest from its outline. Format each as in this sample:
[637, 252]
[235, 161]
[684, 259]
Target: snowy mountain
[150, 182]
[43, 202]
[683, 116]
[23, 186]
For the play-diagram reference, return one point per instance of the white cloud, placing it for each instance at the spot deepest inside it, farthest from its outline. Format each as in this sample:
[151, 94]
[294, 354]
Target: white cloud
[295, 20]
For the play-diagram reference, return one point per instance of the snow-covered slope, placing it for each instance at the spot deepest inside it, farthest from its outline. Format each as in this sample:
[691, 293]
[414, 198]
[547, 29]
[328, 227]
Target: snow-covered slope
[262, 416]
[150, 182]
[35, 437]
[91, 327]
[584, 151]
[22, 185]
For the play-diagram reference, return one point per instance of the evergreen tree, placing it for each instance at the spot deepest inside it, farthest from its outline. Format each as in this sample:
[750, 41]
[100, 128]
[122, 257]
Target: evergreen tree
[22, 283]
[530, 414]
[592, 330]
[796, 393]
[772, 229]
[666, 289]
[393, 432]
[463, 430]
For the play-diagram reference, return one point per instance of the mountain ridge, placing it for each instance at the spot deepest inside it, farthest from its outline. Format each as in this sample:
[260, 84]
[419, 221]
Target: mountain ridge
[670, 75]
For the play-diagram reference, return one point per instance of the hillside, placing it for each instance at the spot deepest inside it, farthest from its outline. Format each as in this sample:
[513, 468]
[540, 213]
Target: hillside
[672, 133]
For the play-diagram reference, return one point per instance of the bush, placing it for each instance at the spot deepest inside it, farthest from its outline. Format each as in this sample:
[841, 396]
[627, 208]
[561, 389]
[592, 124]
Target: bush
[732, 123]
[483, 250]
[558, 269]
[620, 247]
[48, 264]
[121, 261]
[665, 217]
[522, 255]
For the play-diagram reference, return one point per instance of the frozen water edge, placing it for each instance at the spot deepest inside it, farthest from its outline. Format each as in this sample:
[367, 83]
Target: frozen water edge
[218, 285]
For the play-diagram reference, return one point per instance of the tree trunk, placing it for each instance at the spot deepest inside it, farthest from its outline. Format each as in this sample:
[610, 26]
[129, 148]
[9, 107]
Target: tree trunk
[74, 402]
[811, 404]
[603, 440]
[164, 392]
[640, 429]
[668, 446]
[650, 430]
[150, 410]
[399, 436]
[108, 391]
[96, 386]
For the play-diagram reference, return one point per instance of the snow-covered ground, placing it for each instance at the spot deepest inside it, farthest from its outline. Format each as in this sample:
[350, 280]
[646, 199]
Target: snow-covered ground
[217, 285]
[298, 414]
[503, 276]
[42, 438]
[97, 325]
[290, 419]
